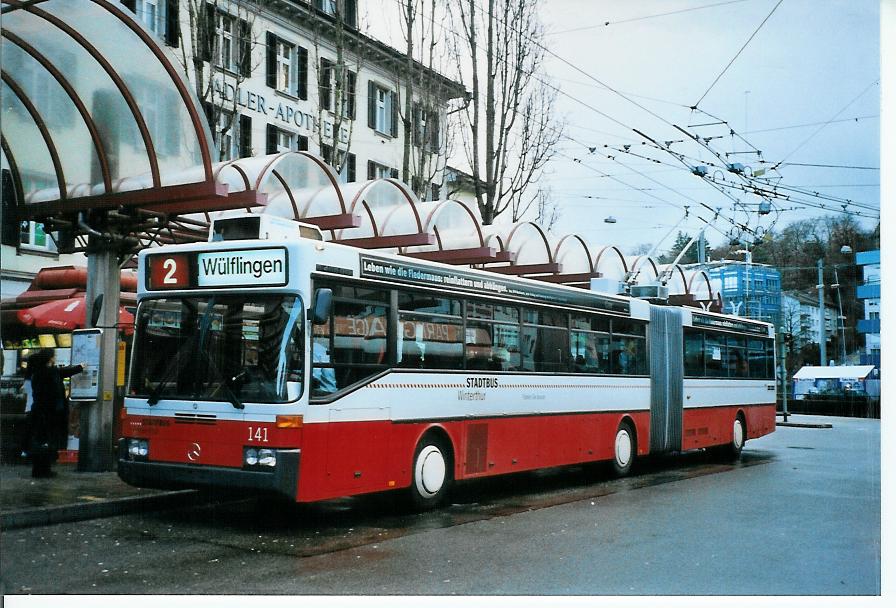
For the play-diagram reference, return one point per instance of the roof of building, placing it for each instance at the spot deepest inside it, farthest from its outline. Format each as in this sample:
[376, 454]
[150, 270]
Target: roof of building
[812, 372]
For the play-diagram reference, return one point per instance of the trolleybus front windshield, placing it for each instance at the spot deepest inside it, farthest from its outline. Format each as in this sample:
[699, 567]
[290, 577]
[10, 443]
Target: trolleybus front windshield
[236, 348]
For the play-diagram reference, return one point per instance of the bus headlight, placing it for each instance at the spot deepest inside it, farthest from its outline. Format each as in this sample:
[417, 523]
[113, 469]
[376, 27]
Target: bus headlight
[267, 458]
[259, 458]
[250, 457]
[138, 448]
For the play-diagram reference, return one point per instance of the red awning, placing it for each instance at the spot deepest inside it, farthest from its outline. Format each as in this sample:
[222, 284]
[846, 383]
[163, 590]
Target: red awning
[67, 314]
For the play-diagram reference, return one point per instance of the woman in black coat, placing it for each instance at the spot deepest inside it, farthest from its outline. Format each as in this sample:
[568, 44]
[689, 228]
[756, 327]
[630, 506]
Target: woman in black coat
[49, 414]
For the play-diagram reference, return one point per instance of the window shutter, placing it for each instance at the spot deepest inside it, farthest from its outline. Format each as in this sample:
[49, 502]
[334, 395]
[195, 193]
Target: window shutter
[393, 173]
[302, 143]
[417, 130]
[371, 105]
[10, 232]
[172, 23]
[209, 110]
[323, 85]
[206, 32]
[271, 139]
[350, 90]
[271, 60]
[394, 104]
[351, 162]
[351, 13]
[245, 48]
[245, 136]
[432, 126]
[301, 72]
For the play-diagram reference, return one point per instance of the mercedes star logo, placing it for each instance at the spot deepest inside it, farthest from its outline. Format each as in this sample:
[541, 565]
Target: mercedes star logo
[193, 452]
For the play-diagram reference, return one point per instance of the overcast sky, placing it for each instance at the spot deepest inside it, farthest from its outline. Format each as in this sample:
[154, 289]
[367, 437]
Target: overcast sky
[811, 62]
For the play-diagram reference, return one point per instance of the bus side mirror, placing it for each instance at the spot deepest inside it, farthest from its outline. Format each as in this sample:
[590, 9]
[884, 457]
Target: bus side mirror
[321, 306]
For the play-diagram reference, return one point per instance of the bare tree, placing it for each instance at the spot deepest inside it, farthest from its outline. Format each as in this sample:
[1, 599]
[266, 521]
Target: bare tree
[337, 84]
[547, 212]
[427, 141]
[216, 54]
[509, 133]
[642, 249]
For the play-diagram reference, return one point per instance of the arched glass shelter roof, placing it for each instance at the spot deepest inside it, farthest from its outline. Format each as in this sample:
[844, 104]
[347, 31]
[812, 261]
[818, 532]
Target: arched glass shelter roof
[87, 126]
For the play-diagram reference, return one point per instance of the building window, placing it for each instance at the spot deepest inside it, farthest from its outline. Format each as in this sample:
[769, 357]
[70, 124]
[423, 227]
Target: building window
[285, 141]
[382, 110]
[153, 15]
[349, 10]
[426, 128]
[281, 140]
[327, 6]
[226, 139]
[284, 67]
[347, 172]
[329, 88]
[377, 171]
[32, 236]
[225, 33]
[287, 67]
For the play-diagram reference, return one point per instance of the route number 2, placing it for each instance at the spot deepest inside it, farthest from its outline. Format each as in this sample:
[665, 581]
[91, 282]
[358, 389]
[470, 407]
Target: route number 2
[258, 434]
[169, 271]
[171, 266]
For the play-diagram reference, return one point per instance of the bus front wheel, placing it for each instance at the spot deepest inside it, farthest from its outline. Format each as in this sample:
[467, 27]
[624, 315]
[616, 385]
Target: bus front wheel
[432, 473]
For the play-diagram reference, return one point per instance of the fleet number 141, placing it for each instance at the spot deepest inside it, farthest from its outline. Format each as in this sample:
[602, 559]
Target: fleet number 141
[258, 434]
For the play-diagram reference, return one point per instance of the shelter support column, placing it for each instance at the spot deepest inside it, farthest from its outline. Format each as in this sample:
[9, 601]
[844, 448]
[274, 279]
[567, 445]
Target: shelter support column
[96, 446]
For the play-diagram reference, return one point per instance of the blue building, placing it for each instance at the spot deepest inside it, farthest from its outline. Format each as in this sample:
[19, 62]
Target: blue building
[748, 290]
[869, 291]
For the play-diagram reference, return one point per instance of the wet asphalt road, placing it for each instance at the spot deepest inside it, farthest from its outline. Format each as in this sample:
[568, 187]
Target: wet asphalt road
[799, 514]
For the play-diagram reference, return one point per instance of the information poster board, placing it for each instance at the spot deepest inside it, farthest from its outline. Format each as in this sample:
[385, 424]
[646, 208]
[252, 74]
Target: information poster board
[86, 349]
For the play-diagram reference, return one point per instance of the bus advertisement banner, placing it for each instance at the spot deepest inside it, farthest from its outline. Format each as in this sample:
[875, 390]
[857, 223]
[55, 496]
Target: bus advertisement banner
[373, 267]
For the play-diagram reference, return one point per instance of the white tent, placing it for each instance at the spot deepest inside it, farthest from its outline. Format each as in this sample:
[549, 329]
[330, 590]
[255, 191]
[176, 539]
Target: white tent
[836, 380]
[844, 372]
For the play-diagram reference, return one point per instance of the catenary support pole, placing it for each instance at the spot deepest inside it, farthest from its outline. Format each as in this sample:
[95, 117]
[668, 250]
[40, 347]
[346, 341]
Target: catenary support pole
[95, 447]
[822, 334]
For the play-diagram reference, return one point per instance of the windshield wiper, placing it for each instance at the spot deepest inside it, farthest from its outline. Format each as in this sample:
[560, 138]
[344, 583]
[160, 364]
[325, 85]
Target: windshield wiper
[163, 382]
[225, 382]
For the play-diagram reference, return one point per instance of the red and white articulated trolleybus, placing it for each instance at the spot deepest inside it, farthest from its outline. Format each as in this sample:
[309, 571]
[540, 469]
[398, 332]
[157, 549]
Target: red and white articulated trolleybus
[270, 361]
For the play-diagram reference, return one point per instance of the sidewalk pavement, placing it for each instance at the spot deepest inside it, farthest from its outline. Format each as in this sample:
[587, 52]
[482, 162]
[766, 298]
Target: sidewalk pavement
[73, 496]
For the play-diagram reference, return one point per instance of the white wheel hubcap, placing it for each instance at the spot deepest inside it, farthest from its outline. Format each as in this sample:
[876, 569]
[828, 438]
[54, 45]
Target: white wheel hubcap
[429, 471]
[738, 433]
[623, 447]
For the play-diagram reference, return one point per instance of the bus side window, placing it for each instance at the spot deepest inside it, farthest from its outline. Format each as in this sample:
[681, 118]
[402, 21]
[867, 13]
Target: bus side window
[693, 353]
[351, 347]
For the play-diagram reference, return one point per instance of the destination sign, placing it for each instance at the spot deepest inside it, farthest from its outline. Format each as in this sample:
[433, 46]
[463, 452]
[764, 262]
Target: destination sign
[457, 280]
[266, 267]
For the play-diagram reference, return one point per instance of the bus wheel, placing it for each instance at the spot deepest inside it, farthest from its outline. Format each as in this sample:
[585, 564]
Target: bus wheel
[738, 438]
[432, 473]
[732, 450]
[624, 450]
